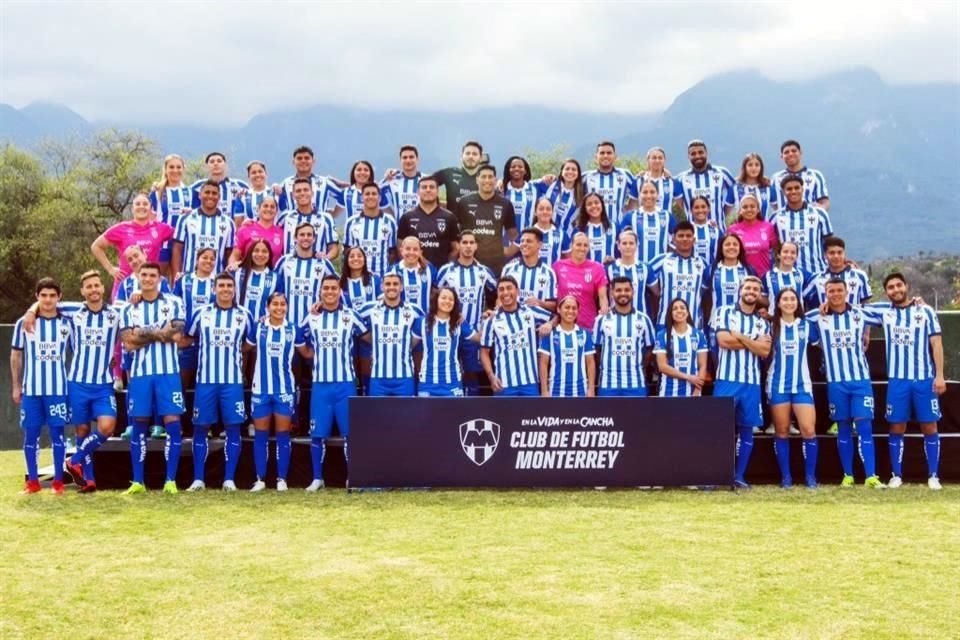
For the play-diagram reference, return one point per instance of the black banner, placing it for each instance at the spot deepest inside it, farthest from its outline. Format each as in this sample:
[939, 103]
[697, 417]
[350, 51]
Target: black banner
[541, 442]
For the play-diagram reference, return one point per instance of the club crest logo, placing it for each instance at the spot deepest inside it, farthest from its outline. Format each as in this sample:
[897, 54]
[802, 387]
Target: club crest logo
[479, 439]
[441, 225]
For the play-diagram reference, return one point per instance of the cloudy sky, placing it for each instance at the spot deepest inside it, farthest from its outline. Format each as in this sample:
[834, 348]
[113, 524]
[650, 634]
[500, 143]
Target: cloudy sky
[209, 62]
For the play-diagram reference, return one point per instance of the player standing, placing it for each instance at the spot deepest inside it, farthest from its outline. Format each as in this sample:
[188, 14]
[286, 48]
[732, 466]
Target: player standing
[444, 334]
[627, 266]
[802, 224]
[681, 351]
[679, 274]
[203, 228]
[653, 226]
[390, 324]
[459, 182]
[373, 231]
[436, 228]
[535, 278]
[624, 336]
[402, 188]
[814, 184]
[325, 192]
[704, 180]
[567, 365]
[229, 190]
[615, 186]
[489, 216]
[326, 242]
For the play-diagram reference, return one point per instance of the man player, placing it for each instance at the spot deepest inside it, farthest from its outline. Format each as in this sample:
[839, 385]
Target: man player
[814, 184]
[625, 337]
[390, 324]
[457, 182]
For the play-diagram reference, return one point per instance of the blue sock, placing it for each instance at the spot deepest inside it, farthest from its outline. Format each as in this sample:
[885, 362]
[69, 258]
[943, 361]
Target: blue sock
[781, 447]
[868, 453]
[172, 448]
[895, 442]
[744, 449]
[138, 448]
[318, 450]
[283, 454]
[59, 451]
[200, 450]
[931, 447]
[261, 451]
[84, 452]
[31, 450]
[231, 451]
[845, 446]
[810, 450]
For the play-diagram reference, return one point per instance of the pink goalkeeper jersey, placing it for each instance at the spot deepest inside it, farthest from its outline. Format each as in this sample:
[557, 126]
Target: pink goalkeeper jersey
[583, 282]
[149, 236]
[251, 232]
[759, 238]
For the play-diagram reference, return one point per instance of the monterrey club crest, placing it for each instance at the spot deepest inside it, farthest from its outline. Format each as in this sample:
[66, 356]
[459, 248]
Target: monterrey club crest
[441, 225]
[479, 438]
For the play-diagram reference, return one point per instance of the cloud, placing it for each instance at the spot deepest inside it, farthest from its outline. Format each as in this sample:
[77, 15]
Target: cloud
[213, 62]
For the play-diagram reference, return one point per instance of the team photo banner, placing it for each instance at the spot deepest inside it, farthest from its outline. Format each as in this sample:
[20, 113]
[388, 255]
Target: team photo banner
[541, 442]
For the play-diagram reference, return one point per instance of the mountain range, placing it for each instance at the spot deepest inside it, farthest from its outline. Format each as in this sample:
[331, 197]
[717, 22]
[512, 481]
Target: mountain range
[887, 150]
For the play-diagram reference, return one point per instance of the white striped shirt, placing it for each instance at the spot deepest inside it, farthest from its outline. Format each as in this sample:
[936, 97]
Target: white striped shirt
[564, 206]
[197, 231]
[220, 334]
[93, 339]
[807, 228]
[603, 241]
[403, 193]
[552, 245]
[44, 355]
[767, 196]
[376, 236]
[622, 339]
[740, 365]
[299, 279]
[679, 277]
[331, 334]
[441, 363]
[654, 230]
[254, 289]
[814, 185]
[248, 205]
[789, 371]
[391, 330]
[907, 332]
[667, 189]
[714, 183]
[775, 281]
[725, 281]
[524, 201]
[706, 240]
[171, 206]
[356, 295]
[640, 275]
[417, 283]
[682, 353]
[195, 292]
[326, 195]
[471, 284]
[568, 350]
[858, 285]
[616, 188]
[513, 337]
[352, 202]
[324, 229]
[154, 358]
[230, 190]
[538, 282]
[275, 344]
[841, 339]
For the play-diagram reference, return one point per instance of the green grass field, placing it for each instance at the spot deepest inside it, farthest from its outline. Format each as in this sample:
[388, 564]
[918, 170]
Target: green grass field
[513, 564]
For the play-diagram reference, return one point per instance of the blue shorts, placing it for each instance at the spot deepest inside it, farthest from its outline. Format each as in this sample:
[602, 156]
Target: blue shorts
[470, 356]
[427, 390]
[384, 387]
[166, 251]
[159, 395]
[228, 398]
[916, 395]
[850, 400]
[91, 401]
[36, 411]
[189, 358]
[776, 398]
[639, 392]
[263, 405]
[523, 390]
[329, 400]
[746, 399]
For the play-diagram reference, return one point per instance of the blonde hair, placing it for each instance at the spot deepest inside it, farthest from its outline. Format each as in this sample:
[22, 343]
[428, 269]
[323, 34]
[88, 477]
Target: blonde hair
[86, 275]
[421, 261]
[160, 186]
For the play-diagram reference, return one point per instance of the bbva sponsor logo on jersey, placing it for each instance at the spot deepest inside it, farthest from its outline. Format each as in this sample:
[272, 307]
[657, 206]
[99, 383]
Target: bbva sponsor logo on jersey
[479, 438]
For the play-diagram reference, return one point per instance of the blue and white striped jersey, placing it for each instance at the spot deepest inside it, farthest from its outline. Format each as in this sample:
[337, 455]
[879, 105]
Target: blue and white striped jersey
[568, 368]
[622, 339]
[681, 352]
[44, 355]
[471, 284]
[654, 230]
[275, 346]
[814, 185]
[858, 286]
[603, 241]
[713, 183]
[524, 201]
[199, 231]
[740, 365]
[170, 206]
[356, 295]
[220, 334]
[248, 205]
[539, 282]
[789, 371]
[441, 344]
[775, 281]
[376, 236]
[766, 195]
[230, 191]
[706, 241]
[907, 332]
[512, 335]
[564, 206]
[666, 187]
[807, 228]
[324, 228]
[403, 193]
[679, 277]
[391, 332]
[725, 285]
[841, 339]
[194, 292]
[155, 358]
[331, 334]
[254, 289]
[417, 283]
[94, 335]
[616, 188]
[552, 245]
[326, 195]
[640, 275]
[131, 285]
[352, 201]
[299, 278]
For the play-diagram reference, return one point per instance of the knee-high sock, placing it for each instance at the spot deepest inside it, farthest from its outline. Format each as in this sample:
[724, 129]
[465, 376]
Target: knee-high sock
[283, 454]
[868, 454]
[845, 446]
[59, 451]
[261, 451]
[84, 452]
[895, 443]
[744, 449]
[138, 447]
[231, 451]
[31, 450]
[200, 450]
[318, 450]
[931, 447]
[781, 447]
[810, 450]
[172, 448]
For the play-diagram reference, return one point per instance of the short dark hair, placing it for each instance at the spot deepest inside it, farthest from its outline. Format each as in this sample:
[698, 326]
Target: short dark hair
[303, 149]
[834, 241]
[684, 225]
[790, 177]
[296, 231]
[696, 142]
[150, 265]
[212, 154]
[533, 231]
[472, 143]
[48, 283]
[837, 279]
[487, 167]
[790, 143]
[621, 280]
[297, 181]
[606, 143]
[329, 276]
[409, 147]
[225, 275]
[894, 275]
[468, 232]
[507, 280]
[210, 182]
[370, 185]
[430, 178]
